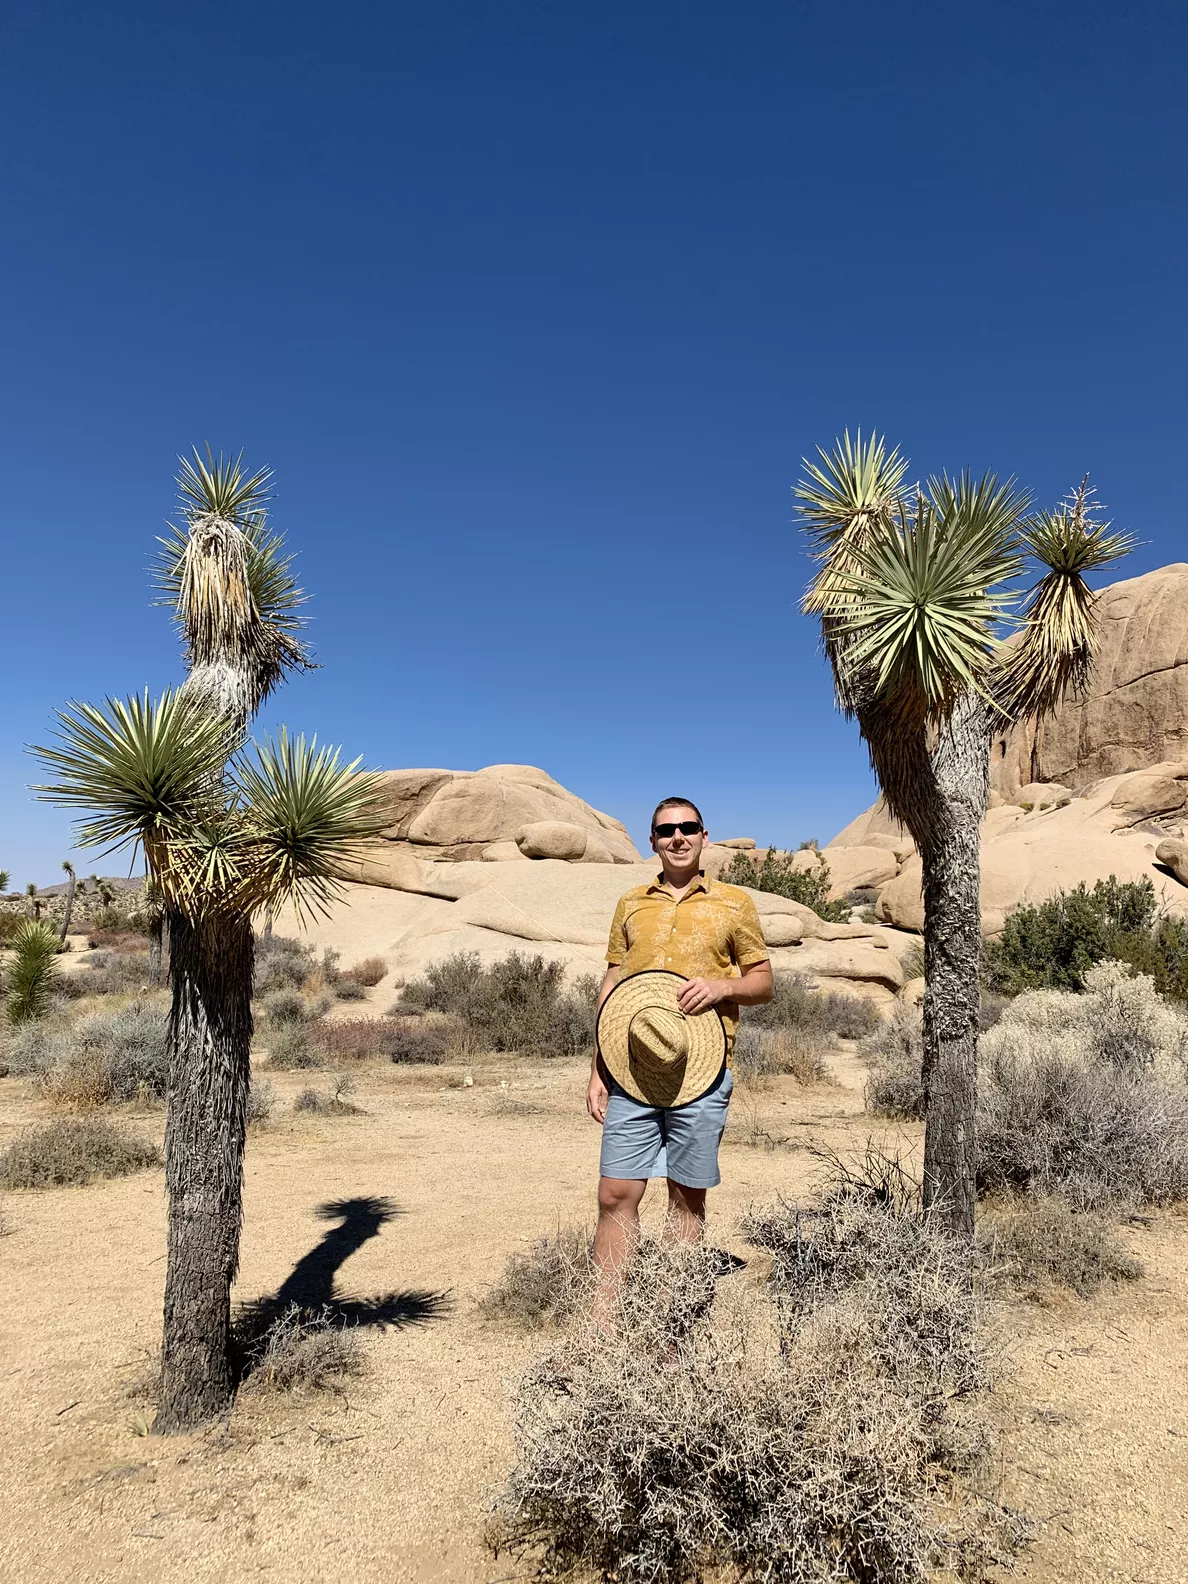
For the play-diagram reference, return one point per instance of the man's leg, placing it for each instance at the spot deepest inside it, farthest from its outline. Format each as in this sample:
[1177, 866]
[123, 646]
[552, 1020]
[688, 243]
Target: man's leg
[685, 1221]
[616, 1239]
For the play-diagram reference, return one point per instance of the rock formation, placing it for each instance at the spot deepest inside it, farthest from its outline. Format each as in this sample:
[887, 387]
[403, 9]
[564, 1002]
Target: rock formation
[1135, 713]
[1050, 840]
[500, 813]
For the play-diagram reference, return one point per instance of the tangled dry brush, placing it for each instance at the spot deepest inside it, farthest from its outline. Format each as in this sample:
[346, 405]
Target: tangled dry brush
[811, 1428]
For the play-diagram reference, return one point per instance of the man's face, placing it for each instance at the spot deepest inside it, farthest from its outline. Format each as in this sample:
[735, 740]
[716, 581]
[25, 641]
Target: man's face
[684, 851]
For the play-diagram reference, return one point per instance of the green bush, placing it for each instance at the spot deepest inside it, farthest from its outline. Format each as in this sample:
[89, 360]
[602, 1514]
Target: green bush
[519, 1004]
[1052, 944]
[776, 874]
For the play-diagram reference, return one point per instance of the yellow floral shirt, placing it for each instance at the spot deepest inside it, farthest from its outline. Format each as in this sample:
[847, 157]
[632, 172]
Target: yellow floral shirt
[713, 932]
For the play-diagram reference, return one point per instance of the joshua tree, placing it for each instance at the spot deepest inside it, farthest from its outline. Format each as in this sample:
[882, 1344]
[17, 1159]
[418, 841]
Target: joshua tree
[223, 840]
[910, 597]
[31, 974]
[68, 908]
[156, 932]
[3, 879]
[33, 902]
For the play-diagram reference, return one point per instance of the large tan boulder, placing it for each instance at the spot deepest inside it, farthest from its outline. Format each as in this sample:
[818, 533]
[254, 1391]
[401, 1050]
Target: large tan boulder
[464, 814]
[1161, 790]
[1173, 854]
[552, 839]
[1135, 711]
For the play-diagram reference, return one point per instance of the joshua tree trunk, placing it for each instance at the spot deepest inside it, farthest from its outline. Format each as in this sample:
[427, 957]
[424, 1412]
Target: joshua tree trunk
[950, 854]
[69, 907]
[211, 1024]
[940, 793]
[156, 947]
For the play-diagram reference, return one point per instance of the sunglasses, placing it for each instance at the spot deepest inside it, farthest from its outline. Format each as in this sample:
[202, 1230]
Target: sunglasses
[686, 828]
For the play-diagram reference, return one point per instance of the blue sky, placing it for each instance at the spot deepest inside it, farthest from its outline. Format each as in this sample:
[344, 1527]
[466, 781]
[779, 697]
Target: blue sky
[534, 310]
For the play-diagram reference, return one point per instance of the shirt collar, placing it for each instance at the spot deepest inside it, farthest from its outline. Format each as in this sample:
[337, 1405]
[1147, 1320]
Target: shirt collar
[700, 884]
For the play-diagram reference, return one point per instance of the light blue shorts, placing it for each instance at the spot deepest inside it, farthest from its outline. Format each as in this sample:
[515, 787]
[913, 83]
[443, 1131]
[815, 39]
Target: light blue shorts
[656, 1141]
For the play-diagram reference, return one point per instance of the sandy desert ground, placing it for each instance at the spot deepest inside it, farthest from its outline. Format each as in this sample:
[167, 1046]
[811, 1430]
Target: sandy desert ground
[388, 1480]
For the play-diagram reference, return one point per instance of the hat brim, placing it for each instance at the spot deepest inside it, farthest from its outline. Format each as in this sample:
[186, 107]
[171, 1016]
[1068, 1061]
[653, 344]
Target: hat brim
[659, 987]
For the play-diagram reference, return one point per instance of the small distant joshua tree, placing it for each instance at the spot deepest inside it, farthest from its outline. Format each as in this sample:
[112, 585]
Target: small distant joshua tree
[910, 597]
[68, 906]
[4, 878]
[33, 902]
[227, 835]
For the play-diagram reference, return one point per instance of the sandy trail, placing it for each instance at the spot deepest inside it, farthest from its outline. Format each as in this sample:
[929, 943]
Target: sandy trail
[388, 1481]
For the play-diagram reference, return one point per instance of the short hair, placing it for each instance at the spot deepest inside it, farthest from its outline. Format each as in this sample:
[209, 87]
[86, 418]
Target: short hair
[675, 802]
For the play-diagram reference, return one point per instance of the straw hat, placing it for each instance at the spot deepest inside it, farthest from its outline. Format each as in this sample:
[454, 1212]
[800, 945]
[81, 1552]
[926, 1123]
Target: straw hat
[650, 1048]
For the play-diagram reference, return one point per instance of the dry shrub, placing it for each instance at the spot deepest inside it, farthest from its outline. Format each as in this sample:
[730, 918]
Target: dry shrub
[290, 1047]
[335, 1104]
[74, 1150]
[116, 940]
[1085, 1095]
[261, 1102]
[895, 1087]
[111, 1059]
[546, 1284]
[520, 1004]
[112, 971]
[281, 964]
[796, 1005]
[369, 972]
[1039, 1243]
[303, 1351]
[30, 1048]
[398, 1039]
[762, 1053]
[782, 1436]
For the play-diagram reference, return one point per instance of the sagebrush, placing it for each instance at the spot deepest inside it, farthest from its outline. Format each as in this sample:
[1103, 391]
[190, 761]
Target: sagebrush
[1085, 1095]
[519, 1004]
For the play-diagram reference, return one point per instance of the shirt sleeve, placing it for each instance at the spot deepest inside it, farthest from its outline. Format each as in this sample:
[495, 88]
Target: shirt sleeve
[616, 946]
[749, 946]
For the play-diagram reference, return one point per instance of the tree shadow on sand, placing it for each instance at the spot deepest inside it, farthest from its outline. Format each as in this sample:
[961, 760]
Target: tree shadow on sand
[310, 1290]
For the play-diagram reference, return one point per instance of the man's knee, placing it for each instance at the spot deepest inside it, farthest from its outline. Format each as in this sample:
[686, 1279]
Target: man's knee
[620, 1195]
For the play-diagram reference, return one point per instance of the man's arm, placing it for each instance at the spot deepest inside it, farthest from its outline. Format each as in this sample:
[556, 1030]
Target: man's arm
[597, 1093]
[755, 987]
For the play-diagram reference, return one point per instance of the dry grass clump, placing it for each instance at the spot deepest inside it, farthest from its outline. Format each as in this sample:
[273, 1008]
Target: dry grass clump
[369, 972]
[778, 1435]
[546, 1284]
[303, 1351]
[764, 1053]
[1085, 1095]
[520, 1004]
[895, 1087]
[1038, 1244]
[335, 1104]
[74, 1151]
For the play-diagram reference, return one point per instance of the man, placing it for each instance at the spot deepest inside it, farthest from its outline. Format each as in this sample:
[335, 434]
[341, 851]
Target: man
[709, 933]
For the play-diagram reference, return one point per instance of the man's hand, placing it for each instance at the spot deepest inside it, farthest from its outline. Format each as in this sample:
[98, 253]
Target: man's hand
[698, 995]
[596, 1097]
